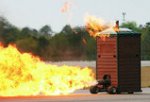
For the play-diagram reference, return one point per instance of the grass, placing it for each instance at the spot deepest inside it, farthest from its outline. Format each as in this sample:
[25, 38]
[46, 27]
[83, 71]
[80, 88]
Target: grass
[145, 76]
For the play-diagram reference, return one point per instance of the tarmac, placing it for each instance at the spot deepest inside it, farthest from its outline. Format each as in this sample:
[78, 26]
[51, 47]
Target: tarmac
[84, 96]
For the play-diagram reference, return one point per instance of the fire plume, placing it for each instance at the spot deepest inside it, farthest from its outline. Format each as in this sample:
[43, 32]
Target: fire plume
[84, 41]
[95, 26]
[65, 7]
[22, 74]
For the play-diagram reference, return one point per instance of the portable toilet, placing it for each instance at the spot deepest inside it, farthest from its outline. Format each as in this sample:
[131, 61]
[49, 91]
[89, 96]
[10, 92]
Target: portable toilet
[118, 55]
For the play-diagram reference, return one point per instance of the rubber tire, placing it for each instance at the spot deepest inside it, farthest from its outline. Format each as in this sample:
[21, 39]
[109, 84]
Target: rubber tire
[118, 91]
[130, 92]
[94, 90]
[112, 90]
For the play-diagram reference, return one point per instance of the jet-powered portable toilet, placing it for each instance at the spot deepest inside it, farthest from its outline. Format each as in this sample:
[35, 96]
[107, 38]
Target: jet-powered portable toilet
[118, 55]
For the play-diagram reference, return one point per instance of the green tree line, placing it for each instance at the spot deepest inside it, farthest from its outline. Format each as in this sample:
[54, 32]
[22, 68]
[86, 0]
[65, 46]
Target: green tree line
[69, 44]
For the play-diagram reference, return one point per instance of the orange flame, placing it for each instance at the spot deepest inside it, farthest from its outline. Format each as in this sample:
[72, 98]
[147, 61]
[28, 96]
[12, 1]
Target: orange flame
[95, 26]
[65, 7]
[22, 74]
[84, 41]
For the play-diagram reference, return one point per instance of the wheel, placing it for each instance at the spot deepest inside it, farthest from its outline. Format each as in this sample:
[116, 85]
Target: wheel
[130, 92]
[112, 90]
[94, 90]
[118, 91]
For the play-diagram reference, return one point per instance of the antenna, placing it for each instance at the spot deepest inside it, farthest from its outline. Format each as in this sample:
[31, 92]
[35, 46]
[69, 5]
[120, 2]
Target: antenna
[124, 14]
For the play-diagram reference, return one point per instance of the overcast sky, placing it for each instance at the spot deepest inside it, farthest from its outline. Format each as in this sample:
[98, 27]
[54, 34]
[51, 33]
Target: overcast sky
[36, 13]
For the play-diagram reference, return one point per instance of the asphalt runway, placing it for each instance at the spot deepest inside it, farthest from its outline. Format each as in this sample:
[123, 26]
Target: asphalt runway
[84, 96]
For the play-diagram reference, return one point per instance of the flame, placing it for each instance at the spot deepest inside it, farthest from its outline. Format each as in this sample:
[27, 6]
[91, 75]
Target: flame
[66, 7]
[104, 36]
[84, 41]
[95, 26]
[22, 74]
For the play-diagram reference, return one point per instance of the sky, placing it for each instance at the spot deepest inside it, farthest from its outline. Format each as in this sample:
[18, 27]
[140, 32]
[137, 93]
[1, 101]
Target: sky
[37, 13]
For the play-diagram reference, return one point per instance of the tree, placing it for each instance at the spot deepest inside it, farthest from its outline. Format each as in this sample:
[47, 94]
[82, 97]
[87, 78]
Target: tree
[25, 32]
[67, 29]
[8, 32]
[146, 41]
[28, 44]
[43, 44]
[131, 25]
[46, 31]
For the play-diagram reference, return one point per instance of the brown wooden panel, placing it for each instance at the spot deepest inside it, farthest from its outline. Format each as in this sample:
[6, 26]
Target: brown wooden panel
[106, 58]
[108, 39]
[129, 63]
[105, 64]
[113, 70]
